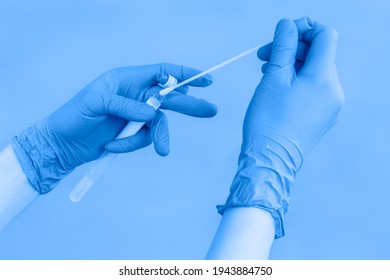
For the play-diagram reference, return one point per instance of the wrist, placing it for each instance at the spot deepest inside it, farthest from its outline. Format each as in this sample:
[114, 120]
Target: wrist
[39, 158]
[266, 171]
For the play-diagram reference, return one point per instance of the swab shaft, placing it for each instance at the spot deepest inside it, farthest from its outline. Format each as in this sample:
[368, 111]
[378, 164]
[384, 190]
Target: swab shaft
[226, 62]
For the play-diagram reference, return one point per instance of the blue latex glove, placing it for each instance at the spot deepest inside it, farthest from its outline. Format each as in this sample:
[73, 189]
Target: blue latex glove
[295, 104]
[80, 130]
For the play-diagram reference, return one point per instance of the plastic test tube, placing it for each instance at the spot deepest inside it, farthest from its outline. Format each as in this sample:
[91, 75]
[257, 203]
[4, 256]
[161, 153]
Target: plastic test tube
[101, 164]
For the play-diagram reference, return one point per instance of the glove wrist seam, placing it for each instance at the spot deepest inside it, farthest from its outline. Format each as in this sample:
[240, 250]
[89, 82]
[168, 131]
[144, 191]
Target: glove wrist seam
[39, 159]
[266, 171]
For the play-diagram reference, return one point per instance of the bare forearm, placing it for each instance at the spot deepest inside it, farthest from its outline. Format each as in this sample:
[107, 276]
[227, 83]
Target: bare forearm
[244, 233]
[16, 192]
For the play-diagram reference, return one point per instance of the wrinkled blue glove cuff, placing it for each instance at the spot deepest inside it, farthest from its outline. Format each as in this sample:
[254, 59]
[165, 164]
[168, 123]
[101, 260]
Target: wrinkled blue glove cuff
[39, 159]
[266, 171]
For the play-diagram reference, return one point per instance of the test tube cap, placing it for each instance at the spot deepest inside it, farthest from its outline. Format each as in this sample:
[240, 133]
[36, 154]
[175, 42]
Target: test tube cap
[166, 80]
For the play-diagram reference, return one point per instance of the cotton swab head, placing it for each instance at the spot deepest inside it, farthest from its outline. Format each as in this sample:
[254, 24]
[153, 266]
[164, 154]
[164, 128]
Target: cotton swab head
[165, 91]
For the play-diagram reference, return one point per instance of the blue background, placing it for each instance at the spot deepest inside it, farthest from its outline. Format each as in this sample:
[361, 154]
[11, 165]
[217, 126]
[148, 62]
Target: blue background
[147, 207]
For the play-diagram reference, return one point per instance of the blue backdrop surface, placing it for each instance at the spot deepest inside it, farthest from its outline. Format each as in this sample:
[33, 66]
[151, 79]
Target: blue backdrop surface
[148, 207]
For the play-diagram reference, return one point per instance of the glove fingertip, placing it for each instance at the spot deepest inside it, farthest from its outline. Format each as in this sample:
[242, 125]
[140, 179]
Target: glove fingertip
[110, 147]
[213, 109]
[208, 110]
[285, 24]
[146, 111]
[163, 152]
[203, 81]
[304, 24]
[208, 79]
[162, 144]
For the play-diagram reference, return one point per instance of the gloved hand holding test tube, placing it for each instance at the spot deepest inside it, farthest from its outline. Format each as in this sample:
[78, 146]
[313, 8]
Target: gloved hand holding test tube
[106, 158]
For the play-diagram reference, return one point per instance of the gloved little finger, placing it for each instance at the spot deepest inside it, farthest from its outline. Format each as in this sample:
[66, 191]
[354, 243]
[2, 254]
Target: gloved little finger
[160, 133]
[189, 105]
[129, 144]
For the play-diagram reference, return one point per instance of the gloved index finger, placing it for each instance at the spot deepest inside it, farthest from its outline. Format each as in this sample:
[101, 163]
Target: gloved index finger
[322, 52]
[182, 73]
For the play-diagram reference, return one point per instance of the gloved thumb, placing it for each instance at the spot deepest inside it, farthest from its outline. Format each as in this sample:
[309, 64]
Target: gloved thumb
[284, 46]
